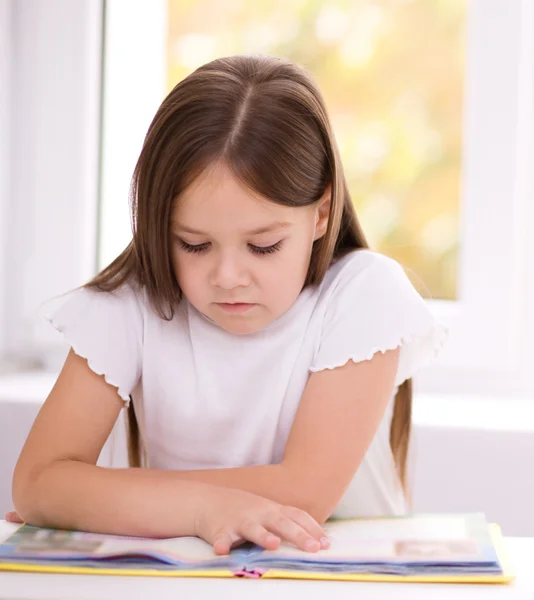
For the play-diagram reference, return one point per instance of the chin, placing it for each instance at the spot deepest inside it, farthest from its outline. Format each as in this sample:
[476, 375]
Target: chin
[242, 328]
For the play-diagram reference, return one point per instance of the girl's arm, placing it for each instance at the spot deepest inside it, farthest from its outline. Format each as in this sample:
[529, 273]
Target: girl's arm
[337, 418]
[57, 483]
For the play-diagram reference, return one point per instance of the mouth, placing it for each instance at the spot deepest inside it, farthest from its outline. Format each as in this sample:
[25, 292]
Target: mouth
[235, 306]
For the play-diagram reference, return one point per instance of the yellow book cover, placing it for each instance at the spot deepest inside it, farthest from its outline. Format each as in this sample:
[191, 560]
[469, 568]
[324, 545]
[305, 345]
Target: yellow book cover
[419, 548]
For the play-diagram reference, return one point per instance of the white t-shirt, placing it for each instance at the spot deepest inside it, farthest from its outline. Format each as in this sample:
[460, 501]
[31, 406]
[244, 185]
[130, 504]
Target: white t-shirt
[207, 399]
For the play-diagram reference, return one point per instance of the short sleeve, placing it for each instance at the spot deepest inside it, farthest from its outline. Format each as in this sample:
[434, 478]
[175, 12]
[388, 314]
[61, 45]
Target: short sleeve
[105, 328]
[373, 308]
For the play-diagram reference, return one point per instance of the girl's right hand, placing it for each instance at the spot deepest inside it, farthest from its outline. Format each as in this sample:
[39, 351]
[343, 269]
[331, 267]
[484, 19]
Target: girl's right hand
[228, 517]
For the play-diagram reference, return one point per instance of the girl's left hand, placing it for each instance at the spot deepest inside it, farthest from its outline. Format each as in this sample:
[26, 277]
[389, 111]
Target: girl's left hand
[13, 517]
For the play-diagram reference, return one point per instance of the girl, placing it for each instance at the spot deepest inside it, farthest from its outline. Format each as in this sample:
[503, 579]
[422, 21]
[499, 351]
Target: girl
[264, 354]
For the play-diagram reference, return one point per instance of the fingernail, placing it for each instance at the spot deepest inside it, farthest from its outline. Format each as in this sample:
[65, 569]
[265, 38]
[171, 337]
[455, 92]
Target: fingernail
[325, 542]
[272, 539]
[220, 549]
[311, 545]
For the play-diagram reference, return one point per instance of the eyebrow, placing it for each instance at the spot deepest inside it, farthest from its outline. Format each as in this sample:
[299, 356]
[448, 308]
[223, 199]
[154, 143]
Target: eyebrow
[266, 229]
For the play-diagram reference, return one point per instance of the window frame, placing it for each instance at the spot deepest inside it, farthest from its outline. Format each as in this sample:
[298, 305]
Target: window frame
[5, 126]
[491, 323]
[489, 349]
[52, 77]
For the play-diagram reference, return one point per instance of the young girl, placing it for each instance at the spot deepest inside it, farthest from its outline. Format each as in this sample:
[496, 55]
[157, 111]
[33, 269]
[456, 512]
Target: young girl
[264, 354]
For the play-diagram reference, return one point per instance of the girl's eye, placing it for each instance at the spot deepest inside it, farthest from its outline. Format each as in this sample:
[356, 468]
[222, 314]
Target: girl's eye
[261, 250]
[194, 249]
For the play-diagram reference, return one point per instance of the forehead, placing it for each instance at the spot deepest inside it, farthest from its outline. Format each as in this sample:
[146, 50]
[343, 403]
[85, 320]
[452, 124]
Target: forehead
[218, 200]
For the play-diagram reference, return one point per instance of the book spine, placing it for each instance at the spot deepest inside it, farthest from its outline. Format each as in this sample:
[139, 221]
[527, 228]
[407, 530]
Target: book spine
[250, 573]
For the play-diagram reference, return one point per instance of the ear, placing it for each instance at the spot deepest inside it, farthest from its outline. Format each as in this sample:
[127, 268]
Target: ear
[322, 213]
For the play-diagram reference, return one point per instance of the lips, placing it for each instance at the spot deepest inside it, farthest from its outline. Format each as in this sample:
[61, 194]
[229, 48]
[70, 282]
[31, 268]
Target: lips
[235, 303]
[235, 306]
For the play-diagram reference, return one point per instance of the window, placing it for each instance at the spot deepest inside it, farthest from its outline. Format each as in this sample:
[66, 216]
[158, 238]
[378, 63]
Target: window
[392, 77]
[457, 212]
[134, 87]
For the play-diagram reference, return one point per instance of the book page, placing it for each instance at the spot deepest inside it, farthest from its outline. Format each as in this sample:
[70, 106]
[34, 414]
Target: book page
[35, 541]
[394, 540]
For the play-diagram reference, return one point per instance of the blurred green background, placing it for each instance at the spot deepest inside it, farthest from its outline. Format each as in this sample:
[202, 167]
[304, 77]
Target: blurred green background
[391, 72]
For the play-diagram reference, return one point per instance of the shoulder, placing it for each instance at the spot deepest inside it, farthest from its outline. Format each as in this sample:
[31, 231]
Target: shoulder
[105, 328]
[365, 286]
[126, 303]
[368, 305]
[358, 268]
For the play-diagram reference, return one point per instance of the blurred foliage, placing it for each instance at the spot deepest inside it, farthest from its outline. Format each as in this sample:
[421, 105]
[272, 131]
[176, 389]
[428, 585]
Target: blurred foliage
[391, 72]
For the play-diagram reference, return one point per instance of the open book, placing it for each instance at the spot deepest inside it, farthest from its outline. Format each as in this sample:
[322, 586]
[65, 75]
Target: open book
[416, 548]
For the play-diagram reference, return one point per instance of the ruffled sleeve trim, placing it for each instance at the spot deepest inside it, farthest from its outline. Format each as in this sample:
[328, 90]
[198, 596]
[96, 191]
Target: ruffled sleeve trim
[99, 370]
[433, 340]
[98, 327]
[371, 307]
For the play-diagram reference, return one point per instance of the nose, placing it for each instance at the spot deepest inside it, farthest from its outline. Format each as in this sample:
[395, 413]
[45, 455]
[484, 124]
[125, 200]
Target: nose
[229, 272]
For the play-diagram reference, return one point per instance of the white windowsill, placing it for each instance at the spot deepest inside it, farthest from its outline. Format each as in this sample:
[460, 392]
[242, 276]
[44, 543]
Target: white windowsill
[474, 412]
[26, 387]
[430, 410]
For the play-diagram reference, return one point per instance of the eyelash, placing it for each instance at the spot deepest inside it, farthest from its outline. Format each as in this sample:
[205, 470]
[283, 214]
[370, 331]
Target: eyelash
[258, 250]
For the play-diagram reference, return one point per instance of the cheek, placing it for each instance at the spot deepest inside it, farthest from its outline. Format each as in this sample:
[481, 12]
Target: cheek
[186, 275]
[284, 281]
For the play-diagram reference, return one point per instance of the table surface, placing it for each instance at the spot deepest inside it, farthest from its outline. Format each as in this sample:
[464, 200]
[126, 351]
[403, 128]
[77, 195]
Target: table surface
[29, 586]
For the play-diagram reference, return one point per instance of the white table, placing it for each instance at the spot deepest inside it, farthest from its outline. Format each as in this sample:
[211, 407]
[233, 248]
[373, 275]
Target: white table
[30, 586]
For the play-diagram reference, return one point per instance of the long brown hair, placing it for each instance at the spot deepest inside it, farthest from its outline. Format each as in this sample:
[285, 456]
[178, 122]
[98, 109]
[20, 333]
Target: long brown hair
[264, 119]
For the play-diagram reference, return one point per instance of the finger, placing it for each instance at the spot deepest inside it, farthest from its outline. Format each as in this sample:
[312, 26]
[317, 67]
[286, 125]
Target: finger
[224, 541]
[13, 517]
[258, 534]
[307, 522]
[291, 531]
[239, 542]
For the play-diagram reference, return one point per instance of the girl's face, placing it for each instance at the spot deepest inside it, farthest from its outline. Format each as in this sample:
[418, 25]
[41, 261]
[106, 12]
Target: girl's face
[238, 258]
